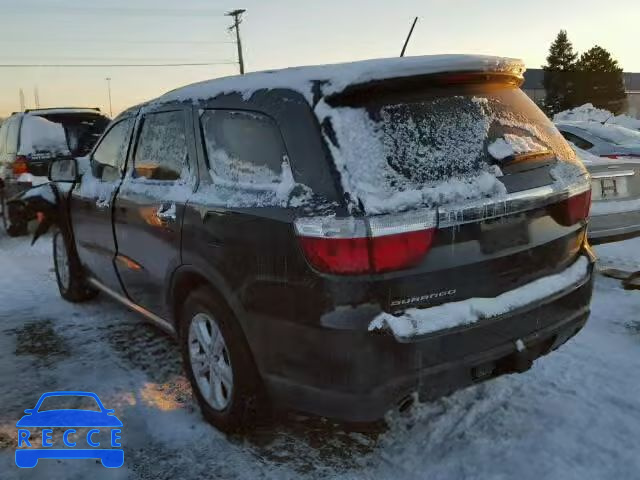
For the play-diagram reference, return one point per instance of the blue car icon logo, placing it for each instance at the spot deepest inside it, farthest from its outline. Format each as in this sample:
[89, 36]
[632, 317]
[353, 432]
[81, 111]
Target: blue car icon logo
[28, 452]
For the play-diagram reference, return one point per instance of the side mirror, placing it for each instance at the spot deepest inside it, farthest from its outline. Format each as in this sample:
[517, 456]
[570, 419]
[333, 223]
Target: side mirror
[63, 170]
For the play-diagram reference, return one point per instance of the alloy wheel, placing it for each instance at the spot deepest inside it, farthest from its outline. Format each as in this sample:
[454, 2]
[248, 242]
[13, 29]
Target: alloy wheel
[210, 361]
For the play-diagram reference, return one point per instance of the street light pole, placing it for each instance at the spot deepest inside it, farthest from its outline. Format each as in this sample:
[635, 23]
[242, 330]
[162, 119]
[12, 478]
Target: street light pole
[108, 79]
[237, 19]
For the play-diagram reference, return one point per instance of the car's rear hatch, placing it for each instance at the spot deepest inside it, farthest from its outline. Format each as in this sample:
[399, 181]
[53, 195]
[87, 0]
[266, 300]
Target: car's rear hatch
[458, 184]
[47, 135]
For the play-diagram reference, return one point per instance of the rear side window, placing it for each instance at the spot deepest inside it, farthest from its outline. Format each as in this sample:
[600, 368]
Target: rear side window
[112, 150]
[162, 147]
[577, 141]
[13, 130]
[243, 148]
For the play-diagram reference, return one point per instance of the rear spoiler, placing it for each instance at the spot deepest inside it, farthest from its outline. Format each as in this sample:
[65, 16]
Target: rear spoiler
[358, 94]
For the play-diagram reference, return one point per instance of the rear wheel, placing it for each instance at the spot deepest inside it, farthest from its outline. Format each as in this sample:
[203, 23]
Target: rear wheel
[69, 275]
[219, 364]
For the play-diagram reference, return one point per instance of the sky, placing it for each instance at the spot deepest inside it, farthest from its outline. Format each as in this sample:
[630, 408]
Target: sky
[275, 34]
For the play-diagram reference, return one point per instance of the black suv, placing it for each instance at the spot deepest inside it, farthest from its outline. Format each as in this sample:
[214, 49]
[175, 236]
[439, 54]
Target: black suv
[29, 140]
[335, 239]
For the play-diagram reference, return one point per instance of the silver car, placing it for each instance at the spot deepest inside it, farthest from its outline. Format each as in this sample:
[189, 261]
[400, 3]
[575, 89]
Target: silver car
[602, 140]
[615, 197]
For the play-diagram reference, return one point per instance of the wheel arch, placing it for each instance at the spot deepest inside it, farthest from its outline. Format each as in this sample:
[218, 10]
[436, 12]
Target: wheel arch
[186, 279]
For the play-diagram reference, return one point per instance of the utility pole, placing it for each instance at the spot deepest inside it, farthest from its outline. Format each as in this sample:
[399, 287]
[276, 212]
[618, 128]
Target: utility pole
[36, 96]
[237, 19]
[406, 42]
[22, 105]
[108, 79]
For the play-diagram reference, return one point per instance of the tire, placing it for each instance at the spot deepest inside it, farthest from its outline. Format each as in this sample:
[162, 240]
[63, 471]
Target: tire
[235, 407]
[16, 229]
[69, 274]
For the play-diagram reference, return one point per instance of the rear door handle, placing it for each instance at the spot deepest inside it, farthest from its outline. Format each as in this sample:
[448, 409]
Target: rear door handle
[167, 212]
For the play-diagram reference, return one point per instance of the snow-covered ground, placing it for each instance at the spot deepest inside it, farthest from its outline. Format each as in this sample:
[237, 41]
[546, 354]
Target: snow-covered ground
[575, 415]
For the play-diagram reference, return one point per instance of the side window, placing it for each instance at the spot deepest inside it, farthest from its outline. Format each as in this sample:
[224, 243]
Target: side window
[577, 141]
[111, 153]
[243, 148]
[13, 129]
[161, 153]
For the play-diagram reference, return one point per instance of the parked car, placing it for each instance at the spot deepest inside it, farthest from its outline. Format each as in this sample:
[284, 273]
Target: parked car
[335, 239]
[615, 208]
[602, 140]
[29, 140]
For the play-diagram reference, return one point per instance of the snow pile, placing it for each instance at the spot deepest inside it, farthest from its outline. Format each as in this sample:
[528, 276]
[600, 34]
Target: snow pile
[40, 135]
[335, 78]
[511, 145]
[414, 322]
[589, 113]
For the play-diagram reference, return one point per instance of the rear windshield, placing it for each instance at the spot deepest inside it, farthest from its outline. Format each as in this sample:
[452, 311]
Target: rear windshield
[436, 146]
[81, 129]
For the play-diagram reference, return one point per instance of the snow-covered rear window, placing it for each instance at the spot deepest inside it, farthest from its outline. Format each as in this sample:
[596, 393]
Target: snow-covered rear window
[243, 148]
[82, 129]
[39, 135]
[408, 148]
[161, 153]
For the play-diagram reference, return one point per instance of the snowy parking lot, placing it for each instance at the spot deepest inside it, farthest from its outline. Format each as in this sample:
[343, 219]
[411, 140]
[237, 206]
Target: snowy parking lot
[575, 415]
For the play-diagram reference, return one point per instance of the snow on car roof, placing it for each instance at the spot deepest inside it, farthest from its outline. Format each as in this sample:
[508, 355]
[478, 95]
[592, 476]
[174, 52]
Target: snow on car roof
[610, 133]
[58, 111]
[589, 113]
[337, 77]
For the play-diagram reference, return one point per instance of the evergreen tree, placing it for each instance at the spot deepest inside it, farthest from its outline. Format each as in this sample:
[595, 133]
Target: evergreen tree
[558, 75]
[600, 81]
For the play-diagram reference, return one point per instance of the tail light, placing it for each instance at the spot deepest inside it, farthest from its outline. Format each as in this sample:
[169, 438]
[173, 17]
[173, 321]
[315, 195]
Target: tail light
[352, 246]
[573, 209]
[20, 165]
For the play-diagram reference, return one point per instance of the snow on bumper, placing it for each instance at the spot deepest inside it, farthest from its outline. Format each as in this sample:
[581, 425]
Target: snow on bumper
[415, 322]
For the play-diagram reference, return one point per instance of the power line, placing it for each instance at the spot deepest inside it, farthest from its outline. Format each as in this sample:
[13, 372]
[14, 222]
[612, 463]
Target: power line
[108, 41]
[97, 59]
[98, 65]
[26, 9]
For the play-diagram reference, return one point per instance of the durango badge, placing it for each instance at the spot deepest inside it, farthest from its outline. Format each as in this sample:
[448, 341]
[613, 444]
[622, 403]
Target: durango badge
[33, 445]
[422, 298]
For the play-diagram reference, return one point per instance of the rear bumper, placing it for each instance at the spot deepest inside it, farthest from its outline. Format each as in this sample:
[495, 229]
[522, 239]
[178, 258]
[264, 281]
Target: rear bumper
[614, 226]
[358, 376]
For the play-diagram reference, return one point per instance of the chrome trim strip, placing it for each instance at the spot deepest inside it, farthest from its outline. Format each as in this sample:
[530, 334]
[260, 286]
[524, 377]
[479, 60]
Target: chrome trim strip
[614, 173]
[518, 202]
[450, 215]
[151, 317]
